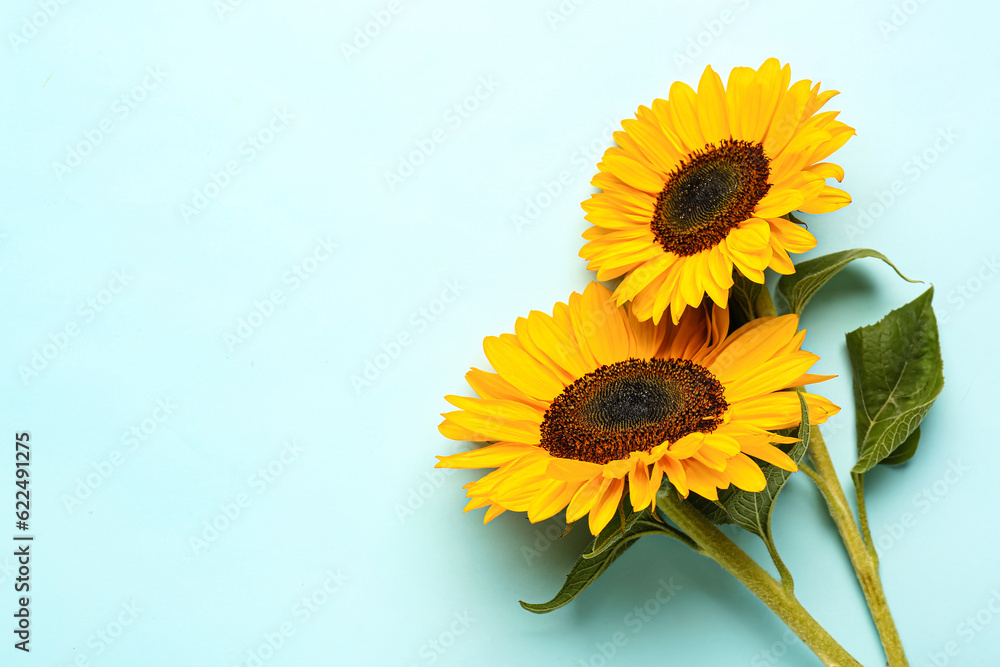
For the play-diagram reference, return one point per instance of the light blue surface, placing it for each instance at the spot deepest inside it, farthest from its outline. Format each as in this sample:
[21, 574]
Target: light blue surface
[320, 549]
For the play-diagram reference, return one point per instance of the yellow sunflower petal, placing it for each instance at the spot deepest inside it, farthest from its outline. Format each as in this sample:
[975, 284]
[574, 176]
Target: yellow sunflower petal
[769, 83]
[531, 346]
[782, 410]
[778, 202]
[606, 506]
[639, 488]
[492, 428]
[571, 470]
[643, 276]
[751, 346]
[686, 446]
[787, 118]
[683, 112]
[500, 408]
[453, 431]
[780, 261]
[771, 375]
[792, 237]
[770, 454]
[553, 498]
[745, 474]
[557, 342]
[493, 512]
[491, 456]
[565, 318]
[737, 94]
[491, 385]
[651, 142]
[710, 458]
[808, 378]
[827, 170]
[712, 115]
[703, 480]
[520, 369]
[829, 199]
[476, 503]
[618, 468]
[604, 330]
[661, 115]
[585, 498]
[647, 337]
[633, 172]
[721, 268]
[674, 471]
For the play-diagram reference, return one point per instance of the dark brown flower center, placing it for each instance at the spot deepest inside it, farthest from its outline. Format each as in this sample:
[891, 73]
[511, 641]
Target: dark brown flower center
[712, 192]
[630, 406]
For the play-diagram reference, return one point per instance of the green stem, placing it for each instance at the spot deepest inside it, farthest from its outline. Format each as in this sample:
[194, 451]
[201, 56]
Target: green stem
[783, 572]
[866, 533]
[864, 561]
[714, 544]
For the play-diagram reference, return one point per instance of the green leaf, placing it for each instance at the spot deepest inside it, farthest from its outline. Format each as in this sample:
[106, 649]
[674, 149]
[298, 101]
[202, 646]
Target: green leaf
[904, 452]
[794, 291]
[584, 573]
[714, 511]
[613, 532]
[898, 373]
[636, 523]
[603, 551]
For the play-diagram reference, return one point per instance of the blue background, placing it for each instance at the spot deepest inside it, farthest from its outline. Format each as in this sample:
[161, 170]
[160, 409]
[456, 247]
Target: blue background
[352, 550]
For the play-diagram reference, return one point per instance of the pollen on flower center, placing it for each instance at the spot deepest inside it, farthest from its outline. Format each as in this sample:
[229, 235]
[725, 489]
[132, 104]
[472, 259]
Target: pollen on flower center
[631, 406]
[709, 194]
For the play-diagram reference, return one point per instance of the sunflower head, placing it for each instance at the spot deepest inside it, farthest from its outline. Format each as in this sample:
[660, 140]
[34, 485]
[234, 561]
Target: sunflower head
[701, 184]
[590, 404]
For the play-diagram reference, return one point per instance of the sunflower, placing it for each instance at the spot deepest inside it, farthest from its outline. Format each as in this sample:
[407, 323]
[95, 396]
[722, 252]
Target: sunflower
[591, 402]
[702, 183]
